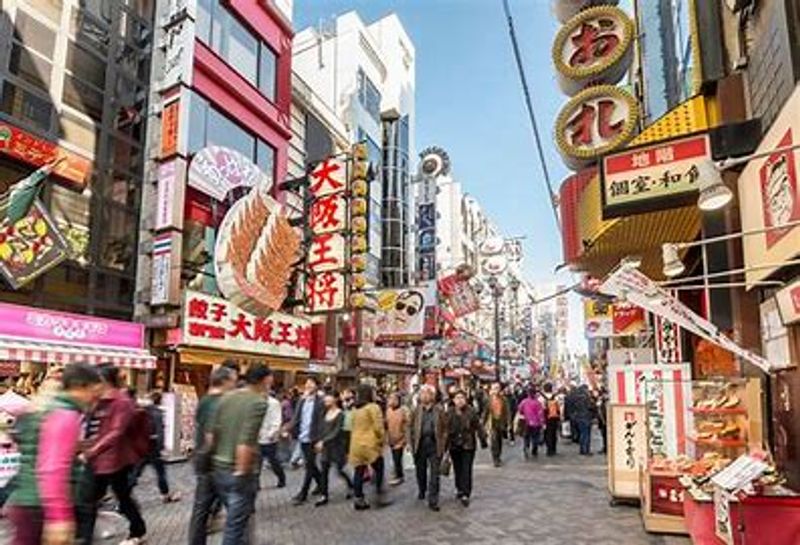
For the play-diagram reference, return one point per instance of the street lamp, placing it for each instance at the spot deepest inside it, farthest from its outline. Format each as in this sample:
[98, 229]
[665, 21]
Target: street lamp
[496, 293]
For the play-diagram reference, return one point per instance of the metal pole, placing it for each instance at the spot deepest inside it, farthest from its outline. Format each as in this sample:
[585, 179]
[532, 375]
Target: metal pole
[496, 296]
[706, 282]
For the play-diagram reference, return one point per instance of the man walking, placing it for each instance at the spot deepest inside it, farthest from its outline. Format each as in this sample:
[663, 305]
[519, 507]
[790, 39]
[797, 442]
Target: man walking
[268, 438]
[207, 502]
[307, 429]
[552, 409]
[498, 422]
[155, 416]
[397, 430]
[428, 438]
[583, 410]
[111, 459]
[235, 446]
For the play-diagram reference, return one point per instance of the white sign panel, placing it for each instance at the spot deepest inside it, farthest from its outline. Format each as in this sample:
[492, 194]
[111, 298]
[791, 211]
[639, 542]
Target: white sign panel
[178, 47]
[642, 291]
[168, 191]
[216, 170]
[162, 263]
[212, 322]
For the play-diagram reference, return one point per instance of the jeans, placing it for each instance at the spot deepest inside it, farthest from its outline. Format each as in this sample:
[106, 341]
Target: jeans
[427, 460]
[311, 469]
[157, 462]
[533, 435]
[377, 478]
[325, 473]
[95, 490]
[551, 431]
[585, 436]
[269, 453]
[206, 500]
[574, 431]
[497, 444]
[462, 470]
[397, 462]
[238, 495]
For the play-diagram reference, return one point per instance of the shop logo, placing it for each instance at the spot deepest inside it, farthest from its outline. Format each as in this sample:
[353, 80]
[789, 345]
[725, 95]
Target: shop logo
[780, 203]
[69, 329]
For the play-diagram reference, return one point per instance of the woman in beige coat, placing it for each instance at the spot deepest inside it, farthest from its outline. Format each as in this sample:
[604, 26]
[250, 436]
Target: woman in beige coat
[366, 446]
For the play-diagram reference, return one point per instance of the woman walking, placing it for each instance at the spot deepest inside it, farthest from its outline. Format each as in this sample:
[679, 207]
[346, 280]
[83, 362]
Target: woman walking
[532, 412]
[397, 428]
[464, 427]
[366, 446]
[332, 447]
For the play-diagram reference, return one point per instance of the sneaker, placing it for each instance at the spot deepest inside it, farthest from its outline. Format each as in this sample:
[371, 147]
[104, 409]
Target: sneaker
[465, 501]
[360, 504]
[396, 481]
[323, 500]
[281, 484]
[298, 500]
[134, 541]
[316, 492]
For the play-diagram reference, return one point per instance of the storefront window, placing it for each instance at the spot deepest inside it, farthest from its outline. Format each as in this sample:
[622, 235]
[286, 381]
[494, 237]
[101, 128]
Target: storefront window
[85, 65]
[83, 98]
[89, 30]
[27, 106]
[34, 34]
[221, 131]
[51, 9]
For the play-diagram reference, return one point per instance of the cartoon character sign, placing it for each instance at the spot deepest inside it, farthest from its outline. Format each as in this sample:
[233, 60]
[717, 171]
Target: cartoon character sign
[400, 315]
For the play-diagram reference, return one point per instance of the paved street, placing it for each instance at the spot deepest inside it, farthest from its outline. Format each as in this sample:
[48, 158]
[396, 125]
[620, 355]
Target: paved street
[545, 502]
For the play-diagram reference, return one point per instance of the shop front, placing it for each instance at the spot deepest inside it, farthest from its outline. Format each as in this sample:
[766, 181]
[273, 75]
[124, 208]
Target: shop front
[33, 339]
[214, 331]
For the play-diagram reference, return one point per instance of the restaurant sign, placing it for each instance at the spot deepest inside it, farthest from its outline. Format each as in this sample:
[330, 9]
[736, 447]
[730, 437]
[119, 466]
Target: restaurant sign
[789, 303]
[596, 121]
[212, 322]
[654, 176]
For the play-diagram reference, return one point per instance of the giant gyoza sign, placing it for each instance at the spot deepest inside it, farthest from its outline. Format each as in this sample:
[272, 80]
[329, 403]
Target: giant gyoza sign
[591, 52]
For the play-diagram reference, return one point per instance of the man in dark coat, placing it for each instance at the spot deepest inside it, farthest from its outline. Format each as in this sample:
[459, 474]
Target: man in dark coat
[307, 427]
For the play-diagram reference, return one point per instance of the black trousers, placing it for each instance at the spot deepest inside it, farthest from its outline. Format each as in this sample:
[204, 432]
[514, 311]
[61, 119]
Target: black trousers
[312, 472]
[160, 468]
[427, 461]
[551, 435]
[326, 469]
[397, 462]
[497, 444]
[360, 477]
[269, 454]
[462, 469]
[96, 489]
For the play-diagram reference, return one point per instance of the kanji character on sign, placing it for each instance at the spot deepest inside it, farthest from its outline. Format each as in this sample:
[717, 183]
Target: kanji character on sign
[218, 312]
[303, 334]
[262, 331]
[208, 331]
[326, 214]
[595, 41]
[326, 174]
[198, 308]
[640, 160]
[241, 327]
[665, 155]
[322, 290]
[322, 253]
[669, 179]
[284, 334]
[641, 184]
[579, 128]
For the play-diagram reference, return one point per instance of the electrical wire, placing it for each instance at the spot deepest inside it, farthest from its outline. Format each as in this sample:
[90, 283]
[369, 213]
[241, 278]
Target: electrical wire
[531, 113]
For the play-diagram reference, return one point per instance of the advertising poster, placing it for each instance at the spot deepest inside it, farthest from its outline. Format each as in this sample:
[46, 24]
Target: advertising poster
[598, 318]
[31, 246]
[627, 449]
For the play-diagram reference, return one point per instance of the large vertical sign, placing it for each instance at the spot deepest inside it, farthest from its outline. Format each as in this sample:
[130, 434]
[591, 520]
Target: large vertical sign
[326, 283]
[628, 449]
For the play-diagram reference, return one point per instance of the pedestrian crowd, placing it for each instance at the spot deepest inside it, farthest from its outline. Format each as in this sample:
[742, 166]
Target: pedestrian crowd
[89, 435]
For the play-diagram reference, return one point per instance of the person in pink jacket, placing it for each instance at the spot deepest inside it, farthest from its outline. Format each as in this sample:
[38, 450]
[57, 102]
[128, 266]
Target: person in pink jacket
[42, 505]
[532, 411]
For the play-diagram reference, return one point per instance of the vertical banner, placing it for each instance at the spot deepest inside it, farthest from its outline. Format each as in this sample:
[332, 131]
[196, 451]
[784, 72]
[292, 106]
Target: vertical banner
[668, 341]
[165, 277]
[627, 447]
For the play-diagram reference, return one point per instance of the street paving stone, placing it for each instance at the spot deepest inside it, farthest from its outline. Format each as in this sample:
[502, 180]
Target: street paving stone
[547, 501]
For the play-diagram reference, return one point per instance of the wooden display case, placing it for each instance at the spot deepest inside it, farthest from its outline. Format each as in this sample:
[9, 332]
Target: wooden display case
[662, 502]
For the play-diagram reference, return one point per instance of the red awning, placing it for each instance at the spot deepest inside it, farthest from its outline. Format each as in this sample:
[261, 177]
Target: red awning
[43, 352]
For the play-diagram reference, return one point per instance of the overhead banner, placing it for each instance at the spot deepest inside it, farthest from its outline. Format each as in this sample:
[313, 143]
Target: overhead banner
[604, 319]
[642, 291]
[459, 294]
[401, 315]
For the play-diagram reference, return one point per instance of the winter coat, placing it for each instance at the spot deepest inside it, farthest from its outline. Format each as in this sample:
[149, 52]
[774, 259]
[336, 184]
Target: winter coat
[367, 435]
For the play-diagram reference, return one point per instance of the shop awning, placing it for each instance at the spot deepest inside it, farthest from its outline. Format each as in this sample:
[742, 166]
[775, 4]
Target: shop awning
[386, 367]
[44, 352]
[198, 356]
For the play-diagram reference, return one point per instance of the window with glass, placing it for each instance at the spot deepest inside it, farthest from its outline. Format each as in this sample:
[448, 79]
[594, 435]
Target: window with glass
[241, 48]
[210, 127]
[369, 96]
[26, 106]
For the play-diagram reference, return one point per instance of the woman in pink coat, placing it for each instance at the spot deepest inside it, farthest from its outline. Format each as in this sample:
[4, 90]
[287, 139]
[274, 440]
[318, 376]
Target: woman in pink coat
[532, 411]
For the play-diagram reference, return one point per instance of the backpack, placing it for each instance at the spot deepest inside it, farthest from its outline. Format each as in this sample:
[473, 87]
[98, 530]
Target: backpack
[553, 409]
[140, 432]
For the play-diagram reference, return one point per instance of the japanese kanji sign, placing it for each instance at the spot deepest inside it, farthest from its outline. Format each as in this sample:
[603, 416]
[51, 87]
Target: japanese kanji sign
[628, 445]
[329, 176]
[212, 322]
[653, 177]
[326, 291]
[596, 121]
[593, 47]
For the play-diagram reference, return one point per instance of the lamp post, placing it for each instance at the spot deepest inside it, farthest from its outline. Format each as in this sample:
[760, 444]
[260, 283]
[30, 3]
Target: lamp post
[496, 293]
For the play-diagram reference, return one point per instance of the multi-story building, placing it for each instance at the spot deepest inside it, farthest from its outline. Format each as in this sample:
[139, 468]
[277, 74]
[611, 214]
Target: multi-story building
[74, 80]
[366, 74]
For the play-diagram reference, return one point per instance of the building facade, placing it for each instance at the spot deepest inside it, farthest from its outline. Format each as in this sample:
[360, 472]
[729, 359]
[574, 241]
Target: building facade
[366, 74]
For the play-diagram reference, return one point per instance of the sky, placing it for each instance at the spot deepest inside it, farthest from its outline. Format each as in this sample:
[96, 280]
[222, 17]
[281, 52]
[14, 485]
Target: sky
[469, 101]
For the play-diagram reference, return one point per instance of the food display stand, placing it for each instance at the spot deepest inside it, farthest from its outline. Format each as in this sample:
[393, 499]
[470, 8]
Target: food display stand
[662, 501]
[626, 451]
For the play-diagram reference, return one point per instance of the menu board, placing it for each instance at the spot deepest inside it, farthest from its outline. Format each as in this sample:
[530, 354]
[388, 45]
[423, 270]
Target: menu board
[628, 449]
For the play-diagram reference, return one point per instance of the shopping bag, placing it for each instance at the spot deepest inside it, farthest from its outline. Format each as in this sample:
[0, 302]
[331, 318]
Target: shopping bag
[566, 430]
[408, 459]
[444, 469]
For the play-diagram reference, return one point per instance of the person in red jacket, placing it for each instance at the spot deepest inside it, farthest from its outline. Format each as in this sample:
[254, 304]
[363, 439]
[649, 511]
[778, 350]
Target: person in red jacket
[111, 459]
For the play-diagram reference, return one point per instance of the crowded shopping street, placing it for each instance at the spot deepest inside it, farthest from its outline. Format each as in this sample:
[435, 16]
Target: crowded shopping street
[399, 272]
